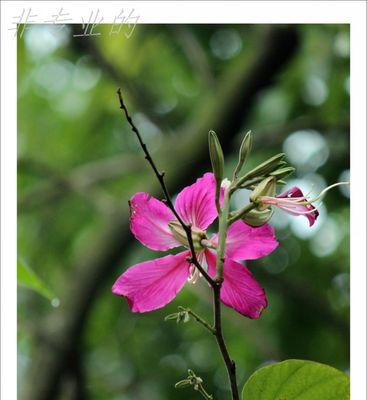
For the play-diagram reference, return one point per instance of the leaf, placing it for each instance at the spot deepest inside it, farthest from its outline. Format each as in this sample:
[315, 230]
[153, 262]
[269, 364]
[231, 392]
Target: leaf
[29, 279]
[297, 380]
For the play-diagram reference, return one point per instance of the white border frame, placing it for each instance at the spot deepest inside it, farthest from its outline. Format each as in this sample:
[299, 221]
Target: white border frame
[350, 12]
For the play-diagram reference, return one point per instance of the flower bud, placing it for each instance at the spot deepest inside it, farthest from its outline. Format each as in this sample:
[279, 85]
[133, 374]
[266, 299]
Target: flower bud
[244, 152]
[282, 173]
[183, 316]
[257, 217]
[182, 384]
[216, 156]
[266, 187]
[266, 167]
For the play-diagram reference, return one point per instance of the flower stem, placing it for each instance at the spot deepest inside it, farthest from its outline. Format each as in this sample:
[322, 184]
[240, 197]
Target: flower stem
[234, 217]
[205, 394]
[222, 235]
[230, 364]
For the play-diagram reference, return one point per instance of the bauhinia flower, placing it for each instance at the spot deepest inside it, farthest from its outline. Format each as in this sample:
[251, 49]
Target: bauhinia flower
[152, 284]
[294, 202]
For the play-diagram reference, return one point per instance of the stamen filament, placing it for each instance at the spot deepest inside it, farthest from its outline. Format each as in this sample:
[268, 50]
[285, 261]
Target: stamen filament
[327, 189]
[302, 212]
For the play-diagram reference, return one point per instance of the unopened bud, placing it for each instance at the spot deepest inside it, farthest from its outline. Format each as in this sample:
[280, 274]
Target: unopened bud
[282, 173]
[183, 316]
[266, 167]
[182, 384]
[244, 152]
[282, 164]
[266, 187]
[216, 156]
[171, 316]
[257, 217]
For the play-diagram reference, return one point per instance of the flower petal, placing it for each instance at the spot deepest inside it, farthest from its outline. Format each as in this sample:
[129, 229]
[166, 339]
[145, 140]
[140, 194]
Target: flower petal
[292, 192]
[149, 219]
[152, 284]
[196, 203]
[240, 290]
[308, 210]
[245, 242]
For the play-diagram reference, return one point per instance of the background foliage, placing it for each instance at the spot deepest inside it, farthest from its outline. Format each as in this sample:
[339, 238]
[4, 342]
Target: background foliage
[78, 164]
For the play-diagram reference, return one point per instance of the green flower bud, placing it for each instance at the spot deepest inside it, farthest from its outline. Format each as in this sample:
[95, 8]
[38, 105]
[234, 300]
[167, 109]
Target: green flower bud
[171, 316]
[282, 164]
[266, 167]
[216, 156]
[266, 187]
[182, 384]
[183, 316]
[257, 217]
[244, 152]
[282, 173]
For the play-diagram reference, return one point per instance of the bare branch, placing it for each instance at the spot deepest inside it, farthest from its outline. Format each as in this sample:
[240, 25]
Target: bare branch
[160, 177]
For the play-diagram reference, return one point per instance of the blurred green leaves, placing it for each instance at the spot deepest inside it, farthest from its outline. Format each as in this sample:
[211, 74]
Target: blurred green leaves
[29, 279]
[297, 379]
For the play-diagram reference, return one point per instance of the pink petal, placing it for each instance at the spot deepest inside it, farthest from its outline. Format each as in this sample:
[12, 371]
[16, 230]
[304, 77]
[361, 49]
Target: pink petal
[196, 203]
[239, 289]
[152, 284]
[292, 192]
[149, 219]
[296, 210]
[245, 242]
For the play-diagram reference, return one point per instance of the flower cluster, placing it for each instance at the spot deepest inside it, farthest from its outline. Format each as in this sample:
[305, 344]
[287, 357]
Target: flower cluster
[246, 235]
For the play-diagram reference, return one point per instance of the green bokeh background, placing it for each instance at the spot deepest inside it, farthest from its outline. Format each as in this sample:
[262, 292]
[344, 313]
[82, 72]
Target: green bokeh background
[78, 164]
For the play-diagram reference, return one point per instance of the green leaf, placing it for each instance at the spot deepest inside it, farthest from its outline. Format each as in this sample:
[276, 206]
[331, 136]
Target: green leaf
[29, 279]
[297, 380]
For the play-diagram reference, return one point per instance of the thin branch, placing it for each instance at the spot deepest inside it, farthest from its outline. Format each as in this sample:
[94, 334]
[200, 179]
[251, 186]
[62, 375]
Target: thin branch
[199, 319]
[160, 177]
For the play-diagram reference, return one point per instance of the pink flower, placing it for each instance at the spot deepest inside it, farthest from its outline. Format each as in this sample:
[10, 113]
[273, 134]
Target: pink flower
[293, 202]
[152, 284]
